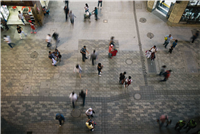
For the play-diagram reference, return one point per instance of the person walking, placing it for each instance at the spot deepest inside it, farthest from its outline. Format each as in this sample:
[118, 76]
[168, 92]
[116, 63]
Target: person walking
[8, 40]
[194, 37]
[122, 78]
[166, 75]
[48, 40]
[78, 69]
[93, 57]
[55, 37]
[66, 3]
[86, 7]
[66, 10]
[21, 17]
[60, 118]
[163, 119]
[19, 30]
[99, 2]
[83, 95]
[162, 70]
[99, 67]
[167, 40]
[191, 124]
[83, 52]
[96, 13]
[128, 82]
[110, 50]
[180, 125]
[90, 124]
[173, 46]
[71, 16]
[73, 97]
[112, 41]
[33, 28]
[89, 113]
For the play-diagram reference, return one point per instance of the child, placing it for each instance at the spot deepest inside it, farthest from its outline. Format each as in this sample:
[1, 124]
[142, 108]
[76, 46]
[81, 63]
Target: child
[33, 28]
[128, 82]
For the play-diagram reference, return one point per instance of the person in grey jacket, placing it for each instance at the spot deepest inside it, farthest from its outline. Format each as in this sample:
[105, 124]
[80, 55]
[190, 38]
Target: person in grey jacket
[71, 16]
[162, 71]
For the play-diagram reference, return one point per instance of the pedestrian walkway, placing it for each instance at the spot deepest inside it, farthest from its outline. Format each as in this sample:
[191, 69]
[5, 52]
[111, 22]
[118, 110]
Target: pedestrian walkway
[33, 91]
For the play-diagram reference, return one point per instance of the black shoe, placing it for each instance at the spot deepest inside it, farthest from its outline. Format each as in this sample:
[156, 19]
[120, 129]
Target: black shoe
[86, 58]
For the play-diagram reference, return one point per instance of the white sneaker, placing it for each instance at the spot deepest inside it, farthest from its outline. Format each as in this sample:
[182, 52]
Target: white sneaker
[99, 75]
[23, 24]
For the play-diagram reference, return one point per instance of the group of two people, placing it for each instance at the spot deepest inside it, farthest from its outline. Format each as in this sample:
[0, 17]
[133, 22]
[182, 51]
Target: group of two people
[88, 14]
[124, 80]
[53, 55]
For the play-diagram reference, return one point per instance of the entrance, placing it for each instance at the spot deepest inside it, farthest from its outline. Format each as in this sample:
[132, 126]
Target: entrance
[164, 6]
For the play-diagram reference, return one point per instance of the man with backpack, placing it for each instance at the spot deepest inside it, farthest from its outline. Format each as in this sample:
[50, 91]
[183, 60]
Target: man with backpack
[166, 75]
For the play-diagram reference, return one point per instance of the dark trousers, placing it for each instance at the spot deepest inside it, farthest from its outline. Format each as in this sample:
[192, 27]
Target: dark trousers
[99, 72]
[193, 39]
[48, 44]
[170, 50]
[99, 2]
[66, 16]
[60, 121]
[161, 73]
[93, 61]
[166, 43]
[84, 101]
[10, 44]
[73, 104]
[165, 79]
[96, 17]
[83, 57]
[89, 116]
[177, 126]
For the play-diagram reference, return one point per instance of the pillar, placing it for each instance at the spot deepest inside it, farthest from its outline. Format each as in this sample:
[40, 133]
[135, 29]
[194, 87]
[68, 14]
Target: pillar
[177, 12]
[150, 5]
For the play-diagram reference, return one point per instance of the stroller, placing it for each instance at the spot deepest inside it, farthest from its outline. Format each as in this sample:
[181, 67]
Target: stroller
[87, 15]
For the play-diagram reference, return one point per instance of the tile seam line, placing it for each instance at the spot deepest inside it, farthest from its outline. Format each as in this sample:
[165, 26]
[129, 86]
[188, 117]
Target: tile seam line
[140, 46]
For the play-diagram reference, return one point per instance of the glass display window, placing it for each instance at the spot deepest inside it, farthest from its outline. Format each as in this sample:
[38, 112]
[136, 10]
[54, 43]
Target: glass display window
[4, 11]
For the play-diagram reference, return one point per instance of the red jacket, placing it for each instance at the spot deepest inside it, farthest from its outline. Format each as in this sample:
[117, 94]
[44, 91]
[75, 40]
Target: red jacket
[168, 74]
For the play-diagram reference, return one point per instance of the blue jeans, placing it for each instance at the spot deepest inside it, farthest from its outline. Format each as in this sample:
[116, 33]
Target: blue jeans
[10, 44]
[22, 21]
[99, 2]
[166, 43]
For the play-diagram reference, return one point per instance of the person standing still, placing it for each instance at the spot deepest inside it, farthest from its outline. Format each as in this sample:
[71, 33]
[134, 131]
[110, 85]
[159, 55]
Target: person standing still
[96, 13]
[83, 51]
[66, 10]
[83, 95]
[19, 30]
[48, 40]
[71, 16]
[194, 37]
[21, 17]
[99, 2]
[99, 67]
[8, 40]
[167, 40]
[93, 57]
[173, 46]
[73, 97]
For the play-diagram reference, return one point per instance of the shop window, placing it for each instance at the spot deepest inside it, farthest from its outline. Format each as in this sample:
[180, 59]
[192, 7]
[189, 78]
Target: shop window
[194, 3]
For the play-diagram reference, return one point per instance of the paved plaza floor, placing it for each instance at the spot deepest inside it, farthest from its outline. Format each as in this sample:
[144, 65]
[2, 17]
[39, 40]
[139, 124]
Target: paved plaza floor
[33, 91]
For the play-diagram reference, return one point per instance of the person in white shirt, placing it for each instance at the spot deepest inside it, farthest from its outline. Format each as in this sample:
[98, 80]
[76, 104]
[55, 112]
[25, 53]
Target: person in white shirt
[73, 97]
[89, 113]
[8, 40]
[21, 17]
[48, 40]
[78, 69]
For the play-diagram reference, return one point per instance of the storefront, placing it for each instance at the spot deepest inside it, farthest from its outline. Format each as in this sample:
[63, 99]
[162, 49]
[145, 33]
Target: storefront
[32, 10]
[191, 13]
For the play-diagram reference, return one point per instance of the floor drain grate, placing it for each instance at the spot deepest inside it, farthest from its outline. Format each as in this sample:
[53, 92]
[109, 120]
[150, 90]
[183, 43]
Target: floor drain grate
[150, 35]
[143, 20]
[34, 54]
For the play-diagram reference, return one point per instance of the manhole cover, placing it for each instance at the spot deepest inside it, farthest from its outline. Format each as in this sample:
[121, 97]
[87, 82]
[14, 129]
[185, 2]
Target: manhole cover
[143, 20]
[137, 96]
[34, 54]
[129, 61]
[76, 113]
[150, 35]
[105, 21]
